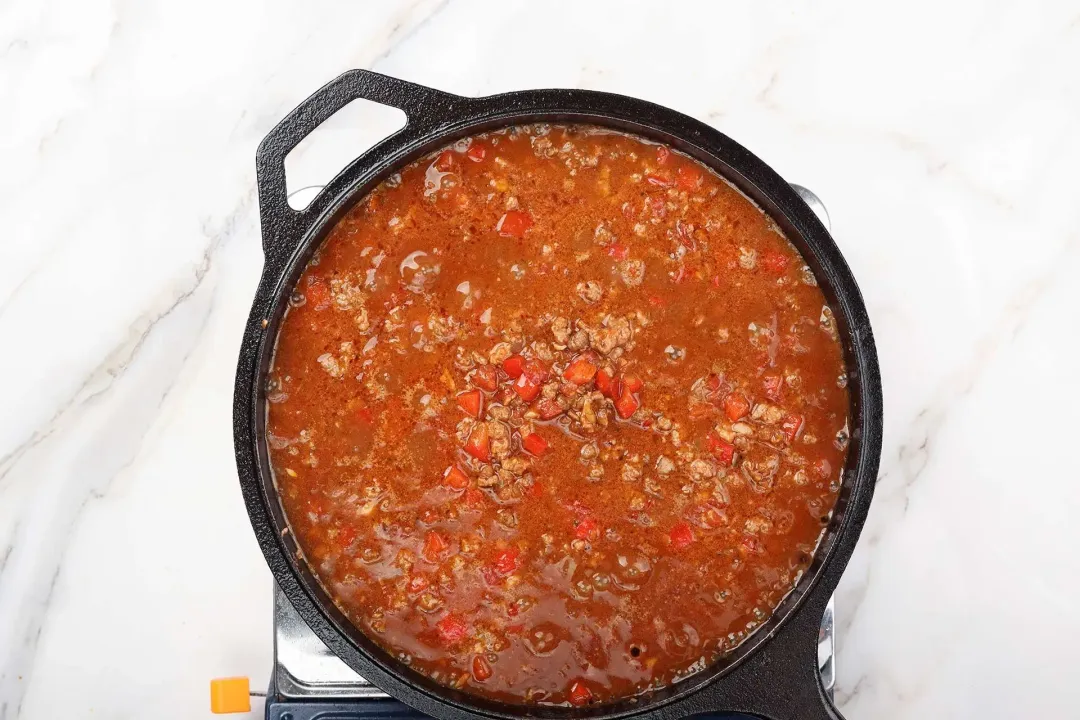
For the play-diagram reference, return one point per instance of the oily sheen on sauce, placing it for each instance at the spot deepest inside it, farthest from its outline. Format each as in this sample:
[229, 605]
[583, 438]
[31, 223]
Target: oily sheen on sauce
[557, 415]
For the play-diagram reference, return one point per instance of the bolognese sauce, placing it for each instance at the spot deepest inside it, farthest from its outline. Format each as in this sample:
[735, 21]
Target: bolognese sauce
[557, 415]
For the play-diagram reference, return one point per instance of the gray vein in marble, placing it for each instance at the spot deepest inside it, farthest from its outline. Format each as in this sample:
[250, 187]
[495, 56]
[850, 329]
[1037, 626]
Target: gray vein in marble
[103, 379]
[114, 364]
[395, 40]
[899, 477]
[30, 645]
[846, 697]
[32, 619]
[7, 551]
[49, 254]
[110, 370]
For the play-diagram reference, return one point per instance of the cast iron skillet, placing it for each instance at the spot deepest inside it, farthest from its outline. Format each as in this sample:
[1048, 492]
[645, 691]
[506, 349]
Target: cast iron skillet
[774, 673]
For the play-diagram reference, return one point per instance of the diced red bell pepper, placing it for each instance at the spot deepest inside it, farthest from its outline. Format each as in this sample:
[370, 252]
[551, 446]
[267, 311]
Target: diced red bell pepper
[618, 251]
[681, 536]
[434, 545]
[481, 670]
[578, 508]
[688, 177]
[318, 295]
[534, 444]
[790, 425]
[477, 151]
[548, 408]
[506, 561]
[455, 479]
[580, 371]
[662, 155]
[774, 262]
[713, 382]
[658, 207]
[485, 377]
[514, 366]
[586, 529]
[452, 629]
[526, 389]
[479, 443]
[633, 383]
[736, 406]
[345, 536]
[579, 694]
[751, 544]
[772, 383]
[535, 370]
[490, 576]
[514, 224]
[721, 449]
[472, 402]
[445, 161]
[627, 404]
[605, 382]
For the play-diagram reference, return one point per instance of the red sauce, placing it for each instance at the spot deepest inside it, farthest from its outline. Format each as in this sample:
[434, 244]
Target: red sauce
[557, 415]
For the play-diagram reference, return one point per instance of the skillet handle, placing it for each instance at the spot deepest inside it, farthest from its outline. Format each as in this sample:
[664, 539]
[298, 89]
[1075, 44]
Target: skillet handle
[282, 226]
[781, 681]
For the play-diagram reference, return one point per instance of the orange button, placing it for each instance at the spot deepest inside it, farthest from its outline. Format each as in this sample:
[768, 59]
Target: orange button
[230, 695]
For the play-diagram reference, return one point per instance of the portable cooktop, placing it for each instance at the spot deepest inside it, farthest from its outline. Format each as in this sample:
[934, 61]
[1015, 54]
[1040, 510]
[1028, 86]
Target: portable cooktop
[309, 682]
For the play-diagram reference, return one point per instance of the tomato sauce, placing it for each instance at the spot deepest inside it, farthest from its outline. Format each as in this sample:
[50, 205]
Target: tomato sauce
[557, 415]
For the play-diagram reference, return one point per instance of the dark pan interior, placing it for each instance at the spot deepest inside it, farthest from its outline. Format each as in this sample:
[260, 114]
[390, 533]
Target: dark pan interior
[787, 641]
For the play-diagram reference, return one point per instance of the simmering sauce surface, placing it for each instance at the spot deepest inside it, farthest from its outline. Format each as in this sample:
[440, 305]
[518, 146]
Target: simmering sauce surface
[557, 415]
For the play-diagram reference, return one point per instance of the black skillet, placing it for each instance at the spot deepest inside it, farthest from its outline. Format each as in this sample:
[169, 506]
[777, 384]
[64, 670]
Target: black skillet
[774, 673]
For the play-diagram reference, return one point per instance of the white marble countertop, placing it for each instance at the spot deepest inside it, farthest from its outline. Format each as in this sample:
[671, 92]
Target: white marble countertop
[943, 136]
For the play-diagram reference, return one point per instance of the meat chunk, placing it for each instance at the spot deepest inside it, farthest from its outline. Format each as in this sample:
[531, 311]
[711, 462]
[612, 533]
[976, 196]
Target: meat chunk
[760, 467]
[615, 332]
[500, 439]
[331, 365]
[487, 477]
[768, 414]
[463, 360]
[516, 465]
[592, 413]
[507, 518]
[632, 272]
[701, 470]
[445, 329]
[590, 292]
[560, 329]
[363, 324]
[543, 351]
[498, 412]
[500, 352]
[347, 295]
